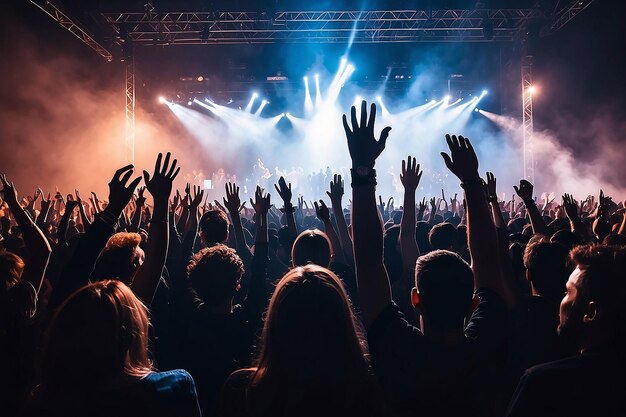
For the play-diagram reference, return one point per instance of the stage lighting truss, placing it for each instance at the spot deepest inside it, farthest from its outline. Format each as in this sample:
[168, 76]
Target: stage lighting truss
[181, 28]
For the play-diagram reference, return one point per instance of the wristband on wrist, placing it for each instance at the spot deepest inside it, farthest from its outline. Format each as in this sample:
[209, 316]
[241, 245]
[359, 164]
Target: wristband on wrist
[363, 176]
[473, 182]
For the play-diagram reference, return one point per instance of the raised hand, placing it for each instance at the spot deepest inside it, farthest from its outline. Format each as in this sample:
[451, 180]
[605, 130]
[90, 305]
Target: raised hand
[570, 206]
[284, 190]
[198, 196]
[37, 194]
[433, 205]
[492, 194]
[120, 190]
[422, 205]
[300, 203]
[363, 146]
[141, 200]
[322, 212]
[525, 190]
[336, 189]
[71, 204]
[8, 190]
[462, 160]
[261, 203]
[381, 205]
[160, 183]
[232, 201]
[45, 203]
[411, 174]
[390, 204]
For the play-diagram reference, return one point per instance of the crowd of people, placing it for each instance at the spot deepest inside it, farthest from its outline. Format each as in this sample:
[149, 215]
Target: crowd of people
[471, 306]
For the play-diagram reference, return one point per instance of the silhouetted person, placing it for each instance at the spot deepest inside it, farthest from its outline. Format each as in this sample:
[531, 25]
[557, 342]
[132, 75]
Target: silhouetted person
[592, 316]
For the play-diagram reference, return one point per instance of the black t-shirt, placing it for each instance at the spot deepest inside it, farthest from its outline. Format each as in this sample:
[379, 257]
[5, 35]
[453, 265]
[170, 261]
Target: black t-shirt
[423, 378]
[590, 384]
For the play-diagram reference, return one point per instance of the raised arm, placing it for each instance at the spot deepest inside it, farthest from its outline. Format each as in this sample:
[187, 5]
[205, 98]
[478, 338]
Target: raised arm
[135, 221]
[372, 279]
[571, 211]
[322, 212]
[232, 202]
[525, 192]
[257, 296]
[410, 178]
[160, 186]
[492, 198]
[76, 272]
[35, 241]
[481, 233]
[336, 194]
[83, 215]
[284, 191]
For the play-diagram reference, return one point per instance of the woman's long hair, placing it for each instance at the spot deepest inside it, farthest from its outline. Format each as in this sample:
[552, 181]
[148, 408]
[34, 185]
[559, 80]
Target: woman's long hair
[100, 332]
[310, 333]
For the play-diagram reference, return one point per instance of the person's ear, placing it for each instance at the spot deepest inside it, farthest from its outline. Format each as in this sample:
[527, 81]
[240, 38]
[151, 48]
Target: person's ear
[415, 298]
[591, 311]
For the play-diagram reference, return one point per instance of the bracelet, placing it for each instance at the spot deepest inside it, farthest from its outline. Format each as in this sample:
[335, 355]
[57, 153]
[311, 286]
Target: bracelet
[475, 181]
[363, 180]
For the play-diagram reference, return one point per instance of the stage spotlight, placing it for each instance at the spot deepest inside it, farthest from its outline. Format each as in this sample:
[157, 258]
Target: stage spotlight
[317, 76]
[476, 109]
[446, 98]
[189, 103]
[305, 78]
[230, 101]
[162, 100]
[282, 115]
[288, 114]
[378, 98]
[484, 93]
[200, 78]
[532, 89]
[255, 95]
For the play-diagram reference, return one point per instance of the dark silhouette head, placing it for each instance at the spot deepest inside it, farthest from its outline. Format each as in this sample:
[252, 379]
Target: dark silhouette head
[310, 329]
[120, 258]
[215, 273]
[213, 227]
[592, 312]
[444, 289]
[443, 236]
[99, 333]
[547, 268]
[311, 246]
[11, 268]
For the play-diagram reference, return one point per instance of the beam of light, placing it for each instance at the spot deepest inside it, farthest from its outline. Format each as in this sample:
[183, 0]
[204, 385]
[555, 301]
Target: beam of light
[357, 102]
[299, 124]
[248, 108]
[333, 91]
[260, 109]
[480, 97]
[162, 100]
[414, 111]
[457, 101]
[383, 109]
[532, 89]
[353, 32]
[318, 94]
[308, 103]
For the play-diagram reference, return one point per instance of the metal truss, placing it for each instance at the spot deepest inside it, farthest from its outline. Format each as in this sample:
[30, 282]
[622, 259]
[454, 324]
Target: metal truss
[129, 131]
[73, 27]
[179, 28]
[527, 118]
[564, 16]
